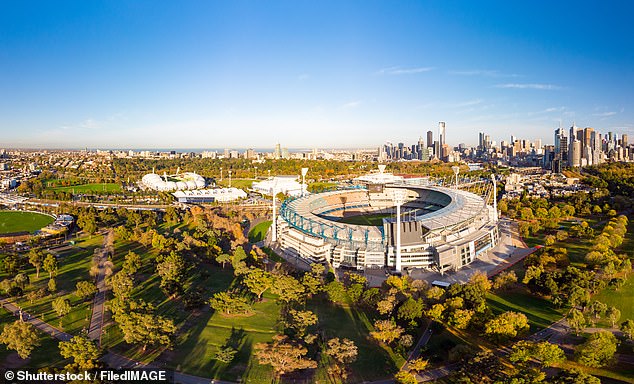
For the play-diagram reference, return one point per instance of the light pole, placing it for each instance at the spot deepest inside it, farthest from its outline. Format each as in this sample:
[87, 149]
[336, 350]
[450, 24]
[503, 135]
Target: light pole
[456, 170]
[304, 172]
[398, 198]
[274, 232]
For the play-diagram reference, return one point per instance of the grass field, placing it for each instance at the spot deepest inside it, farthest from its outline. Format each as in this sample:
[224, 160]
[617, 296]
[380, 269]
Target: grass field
[74, 266]
[17, 221]
[258, 233]
[85, 188]
[237, 183]
[540, 312]
[370, 220]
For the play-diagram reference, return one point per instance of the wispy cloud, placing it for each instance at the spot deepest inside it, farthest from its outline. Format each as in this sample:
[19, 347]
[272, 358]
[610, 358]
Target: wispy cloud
[548, 87]
[403, 71]
[604, 114]
[351, 104]
[482, 72]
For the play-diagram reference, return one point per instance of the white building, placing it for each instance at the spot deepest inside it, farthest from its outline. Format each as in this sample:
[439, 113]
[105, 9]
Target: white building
[287, 185]
[221, 195]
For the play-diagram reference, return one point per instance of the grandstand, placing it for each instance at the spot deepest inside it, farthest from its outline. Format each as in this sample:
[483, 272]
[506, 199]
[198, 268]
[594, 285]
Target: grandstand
[441, 228]
[177, 182]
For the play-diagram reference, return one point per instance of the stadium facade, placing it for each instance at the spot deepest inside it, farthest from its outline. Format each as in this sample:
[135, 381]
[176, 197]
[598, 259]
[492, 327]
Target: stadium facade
[178, 182]
[441, 228]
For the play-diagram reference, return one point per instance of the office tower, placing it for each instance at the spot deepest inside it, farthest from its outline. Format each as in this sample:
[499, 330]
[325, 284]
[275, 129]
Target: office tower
[574, 157]
[561, 147]
[624, 140]
[587, 136]
[441, 133]
[430, 139]
[481, 141]
[437, 153]
[278, 151]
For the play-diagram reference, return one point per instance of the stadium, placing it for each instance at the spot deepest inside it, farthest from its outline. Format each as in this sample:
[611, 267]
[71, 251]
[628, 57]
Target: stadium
[177, 182]
[442, 227]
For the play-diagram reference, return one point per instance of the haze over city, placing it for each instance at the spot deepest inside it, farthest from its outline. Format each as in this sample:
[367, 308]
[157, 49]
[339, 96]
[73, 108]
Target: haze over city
[327, 74]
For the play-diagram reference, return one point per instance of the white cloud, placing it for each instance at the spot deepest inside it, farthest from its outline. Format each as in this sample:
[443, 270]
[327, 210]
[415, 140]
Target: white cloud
[403, 71]
[482, 72]
[604, 114]
[529, 86]
[351, 104]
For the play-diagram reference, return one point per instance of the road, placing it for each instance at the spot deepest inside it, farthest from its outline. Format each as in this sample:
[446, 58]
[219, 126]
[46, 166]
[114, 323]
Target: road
[39, 324]
[97, 318]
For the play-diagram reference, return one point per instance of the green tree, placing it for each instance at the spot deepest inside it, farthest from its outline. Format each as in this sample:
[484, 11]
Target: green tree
[299, 321]
[343, 352]
[141, 325]
[257, 281]
[85, 289]
[404, 377]
[50, 265]
[36, 258]
[288, 288]
[52, 285]
[627, 327]
[613, 314]
[230, 303]
[61, 306]
[506, 325]
[21, 280]
[313, 281]
[410, 310]
[21, 337]
[598, 350]
[576, 320]
[223, 259]
[386, 331]
[172, 268]
[83, 351]
[132, 263]
[283, 355]
[121, 284]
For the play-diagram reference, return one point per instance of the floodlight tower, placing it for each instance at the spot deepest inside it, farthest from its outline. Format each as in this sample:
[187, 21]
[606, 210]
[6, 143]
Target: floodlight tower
[304, 172]
[274, 225]
[398, 198]
[495, 198]
[456, 170]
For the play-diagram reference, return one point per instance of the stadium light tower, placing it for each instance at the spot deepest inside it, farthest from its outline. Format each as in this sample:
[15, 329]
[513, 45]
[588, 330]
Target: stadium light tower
[495, 198]
[304, 172]
[456, 170]
[274, 225]
[398, 198]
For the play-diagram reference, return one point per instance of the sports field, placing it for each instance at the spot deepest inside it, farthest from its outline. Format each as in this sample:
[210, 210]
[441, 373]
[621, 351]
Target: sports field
[84, 188]
[371, 220]
[18, 221]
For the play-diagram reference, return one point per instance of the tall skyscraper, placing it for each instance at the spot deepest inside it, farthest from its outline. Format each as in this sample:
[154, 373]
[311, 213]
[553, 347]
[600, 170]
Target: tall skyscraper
[430, 139]
[442, 132]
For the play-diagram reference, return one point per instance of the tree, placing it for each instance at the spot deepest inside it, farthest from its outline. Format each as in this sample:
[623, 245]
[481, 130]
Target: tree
[336, 292]
[52, 285]
[226, 354]
[257, 281]
[504, 279]
[140, 324]
[613, 314]
[21, 280]
[21, 337]
[460, 318]
[313, 281]
[544, 351]
[132, 263]
[506, 325]
[410, 310]
[386, 331]
[288, 289]
[83, 351]
[576, 320]
[436, 312]
[549, 240]
[598, 309]
[598, 350]
[223, 259]
[418, 365]
[36, 258]
[121, 284]
[87, 222]
[50, 265]
[85, 289]
[283, 355]
[575, 376]
[627, 327]
[386, 306]
[301, 320]
[404, 377]
[171, 268]
[343, 352]
[230, 303]
[61, 306]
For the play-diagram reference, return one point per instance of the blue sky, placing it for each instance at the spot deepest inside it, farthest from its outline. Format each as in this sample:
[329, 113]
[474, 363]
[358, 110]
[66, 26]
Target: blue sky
[196, 74]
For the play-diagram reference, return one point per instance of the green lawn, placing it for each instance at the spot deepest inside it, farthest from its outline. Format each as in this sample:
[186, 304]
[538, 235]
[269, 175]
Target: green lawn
[370, 220]
[258, 233]
[73, 266]
[17, 221]
[84, 188]
[237, 183]
[540, 312]
[373, 361]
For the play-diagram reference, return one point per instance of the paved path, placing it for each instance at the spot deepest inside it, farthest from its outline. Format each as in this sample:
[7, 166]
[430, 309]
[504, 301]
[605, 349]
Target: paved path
[96, 321]
[39, 324]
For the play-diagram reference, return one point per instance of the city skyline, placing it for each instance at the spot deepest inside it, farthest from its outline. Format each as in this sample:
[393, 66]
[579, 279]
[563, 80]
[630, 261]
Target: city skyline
[328, 75]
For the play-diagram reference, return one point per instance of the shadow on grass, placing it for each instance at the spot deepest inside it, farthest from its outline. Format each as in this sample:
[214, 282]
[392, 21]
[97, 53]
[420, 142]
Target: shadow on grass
[540, 312]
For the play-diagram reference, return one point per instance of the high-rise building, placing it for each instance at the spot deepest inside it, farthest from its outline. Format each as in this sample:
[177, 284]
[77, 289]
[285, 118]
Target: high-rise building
[430, 139]
[561, 147]
[278, 151]
[624, 142]
[587, 136]
[442, 133]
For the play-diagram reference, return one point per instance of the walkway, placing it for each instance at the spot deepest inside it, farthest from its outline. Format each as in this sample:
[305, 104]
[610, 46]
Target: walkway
[37, 323]
[96, 321]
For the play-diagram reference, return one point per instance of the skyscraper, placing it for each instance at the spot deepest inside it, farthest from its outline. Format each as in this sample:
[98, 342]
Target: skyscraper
[430, 139]
[441, 132]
